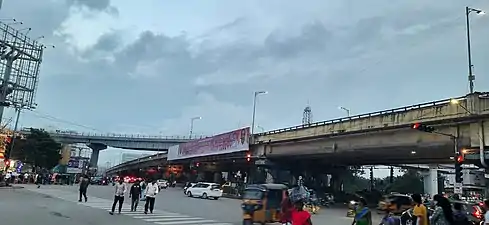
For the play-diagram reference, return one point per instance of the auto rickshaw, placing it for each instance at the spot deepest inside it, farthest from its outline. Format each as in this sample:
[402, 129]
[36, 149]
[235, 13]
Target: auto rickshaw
[261, 203]
[395, 203]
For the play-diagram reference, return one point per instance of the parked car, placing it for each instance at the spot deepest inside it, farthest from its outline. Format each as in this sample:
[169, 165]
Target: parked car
[162, 184]
[187, 185]
[205, 190]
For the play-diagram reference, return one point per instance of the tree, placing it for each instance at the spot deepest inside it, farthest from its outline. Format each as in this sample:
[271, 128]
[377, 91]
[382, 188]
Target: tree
[409, 182]
[38, 149]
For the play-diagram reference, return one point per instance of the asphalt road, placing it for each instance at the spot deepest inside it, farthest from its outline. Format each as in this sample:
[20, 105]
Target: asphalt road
[21, 206]
[172, 200]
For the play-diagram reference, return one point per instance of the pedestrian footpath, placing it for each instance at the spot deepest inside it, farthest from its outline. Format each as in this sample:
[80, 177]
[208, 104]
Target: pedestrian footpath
[158, 216]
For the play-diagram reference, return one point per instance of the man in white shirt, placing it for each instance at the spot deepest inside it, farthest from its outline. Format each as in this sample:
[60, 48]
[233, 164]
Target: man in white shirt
[120, 191]
[486, 215]
[151, 191]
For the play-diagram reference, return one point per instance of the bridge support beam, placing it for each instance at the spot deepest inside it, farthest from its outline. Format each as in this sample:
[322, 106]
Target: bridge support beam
[430, 180]
[96, 148]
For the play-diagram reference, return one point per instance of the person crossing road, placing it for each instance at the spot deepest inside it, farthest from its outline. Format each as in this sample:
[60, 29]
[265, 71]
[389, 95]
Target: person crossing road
[120, 190]
[135, 194]
[151, 191]
[84, 182]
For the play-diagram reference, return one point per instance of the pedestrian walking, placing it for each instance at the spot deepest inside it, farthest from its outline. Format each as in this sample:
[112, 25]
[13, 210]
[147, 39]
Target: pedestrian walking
[84, 182]
[39, 180]
[135, 194]
[286, 210]
[120, 191]
[151, 191]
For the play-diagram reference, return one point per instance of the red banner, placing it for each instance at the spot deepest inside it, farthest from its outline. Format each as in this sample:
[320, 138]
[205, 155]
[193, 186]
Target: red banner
[234, 141]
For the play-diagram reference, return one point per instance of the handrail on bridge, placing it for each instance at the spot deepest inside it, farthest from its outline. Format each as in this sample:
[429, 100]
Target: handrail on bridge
[89, 134]
[366, 115]
[138, 160]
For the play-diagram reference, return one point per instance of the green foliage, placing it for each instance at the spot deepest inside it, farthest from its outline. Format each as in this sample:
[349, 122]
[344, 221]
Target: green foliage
[38, 148]
[409, 182]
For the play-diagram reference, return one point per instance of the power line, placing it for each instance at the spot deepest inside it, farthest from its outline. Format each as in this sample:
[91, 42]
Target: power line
[52, 118]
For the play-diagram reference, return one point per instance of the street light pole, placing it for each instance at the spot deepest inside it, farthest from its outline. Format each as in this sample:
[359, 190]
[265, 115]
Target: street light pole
[254, 108]
[345, 109]
[471, 76]
[192, 124]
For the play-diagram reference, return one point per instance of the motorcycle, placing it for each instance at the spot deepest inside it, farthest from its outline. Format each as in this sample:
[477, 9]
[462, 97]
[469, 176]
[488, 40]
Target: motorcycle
[352, 205]
[326, 201]
[311, 208]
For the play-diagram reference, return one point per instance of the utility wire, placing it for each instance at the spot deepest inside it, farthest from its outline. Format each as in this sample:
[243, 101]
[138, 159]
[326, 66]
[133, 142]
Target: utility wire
[52, 118]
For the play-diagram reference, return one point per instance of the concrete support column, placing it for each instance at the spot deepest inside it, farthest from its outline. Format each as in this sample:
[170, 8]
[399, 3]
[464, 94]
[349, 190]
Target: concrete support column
[430, 180]
[96, 148]
[269, 176]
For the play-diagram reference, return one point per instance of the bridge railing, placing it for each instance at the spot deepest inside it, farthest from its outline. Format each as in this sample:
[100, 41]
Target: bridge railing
[115, 135]
[139, 160]
[366, 115]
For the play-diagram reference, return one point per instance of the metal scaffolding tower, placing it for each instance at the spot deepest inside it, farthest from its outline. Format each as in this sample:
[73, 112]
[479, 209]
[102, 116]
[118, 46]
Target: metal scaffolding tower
[307, 116]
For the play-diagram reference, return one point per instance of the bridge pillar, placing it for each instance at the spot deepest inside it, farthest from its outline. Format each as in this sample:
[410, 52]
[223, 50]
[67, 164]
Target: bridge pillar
[430, 180]
[96, 148]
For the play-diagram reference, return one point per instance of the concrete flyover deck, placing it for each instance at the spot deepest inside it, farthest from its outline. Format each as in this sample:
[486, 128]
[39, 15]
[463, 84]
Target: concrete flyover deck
[375, 138]
[143, 162]
[124, 141]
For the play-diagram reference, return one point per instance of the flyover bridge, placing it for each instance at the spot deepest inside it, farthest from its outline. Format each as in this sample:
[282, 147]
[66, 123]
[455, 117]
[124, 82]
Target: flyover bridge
[384, 137]
[378, 138]
[98, 142]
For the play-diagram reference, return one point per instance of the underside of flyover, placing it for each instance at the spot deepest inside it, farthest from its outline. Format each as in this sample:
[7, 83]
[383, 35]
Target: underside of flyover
[376, 156]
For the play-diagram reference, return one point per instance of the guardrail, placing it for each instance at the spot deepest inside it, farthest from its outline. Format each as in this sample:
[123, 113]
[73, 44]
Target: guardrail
[73, 134]
[367, 115]
[140, 160]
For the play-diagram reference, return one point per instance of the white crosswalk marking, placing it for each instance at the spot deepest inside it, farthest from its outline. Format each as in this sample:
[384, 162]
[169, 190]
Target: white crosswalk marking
[158, 216]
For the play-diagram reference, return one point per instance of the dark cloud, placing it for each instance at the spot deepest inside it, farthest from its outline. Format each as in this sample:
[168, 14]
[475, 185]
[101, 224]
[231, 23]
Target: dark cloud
[164, 80]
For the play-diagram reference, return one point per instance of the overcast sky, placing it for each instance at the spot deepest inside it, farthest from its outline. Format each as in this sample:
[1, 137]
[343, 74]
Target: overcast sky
[148, 66]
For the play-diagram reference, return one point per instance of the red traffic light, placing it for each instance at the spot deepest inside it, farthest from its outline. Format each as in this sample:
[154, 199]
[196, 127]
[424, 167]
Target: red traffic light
[7, 162]
[460, 159]
[423, 127]
[416, 126]
[197, 164]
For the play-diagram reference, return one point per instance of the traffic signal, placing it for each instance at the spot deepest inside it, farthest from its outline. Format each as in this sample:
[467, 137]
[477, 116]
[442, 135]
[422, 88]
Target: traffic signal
[248, 157]
[459, 160]
[423, 127]
[197, 164]
[8, 146]
[7, 163]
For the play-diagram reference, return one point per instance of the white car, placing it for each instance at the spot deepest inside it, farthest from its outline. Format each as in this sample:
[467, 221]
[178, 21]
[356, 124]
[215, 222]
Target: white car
[205, 190]
[187, 186]
[162, 184]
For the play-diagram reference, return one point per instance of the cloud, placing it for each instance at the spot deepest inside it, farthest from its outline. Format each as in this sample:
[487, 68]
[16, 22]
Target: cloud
[365, 57]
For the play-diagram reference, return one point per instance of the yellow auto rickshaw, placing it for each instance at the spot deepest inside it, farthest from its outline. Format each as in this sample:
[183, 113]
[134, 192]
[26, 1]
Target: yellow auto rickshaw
[261, 203]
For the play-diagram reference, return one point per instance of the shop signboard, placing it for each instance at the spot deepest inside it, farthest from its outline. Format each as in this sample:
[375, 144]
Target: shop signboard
[76, 164]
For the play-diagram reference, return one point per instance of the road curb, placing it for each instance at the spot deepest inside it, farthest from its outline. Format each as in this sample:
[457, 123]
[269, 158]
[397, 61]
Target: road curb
[11, 187]
[231, 196]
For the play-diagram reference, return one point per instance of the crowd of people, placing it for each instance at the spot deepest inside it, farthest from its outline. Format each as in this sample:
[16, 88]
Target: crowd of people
[445, 213]
[139, 191]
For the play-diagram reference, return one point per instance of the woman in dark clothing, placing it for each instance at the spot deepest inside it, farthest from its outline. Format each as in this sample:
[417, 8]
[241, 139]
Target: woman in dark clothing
[286, 210]
[443, 214]
[84, 182]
